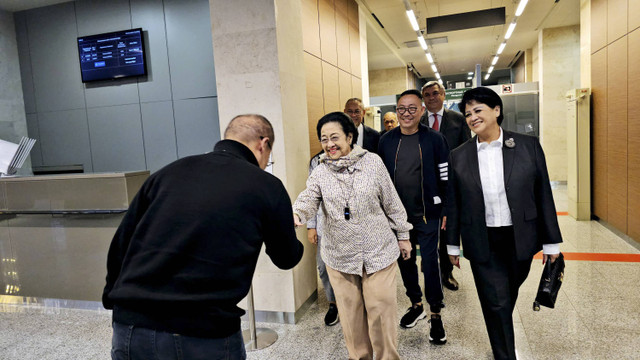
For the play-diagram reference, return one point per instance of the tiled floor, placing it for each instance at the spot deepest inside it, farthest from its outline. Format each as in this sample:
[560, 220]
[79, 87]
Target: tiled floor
[597, 316]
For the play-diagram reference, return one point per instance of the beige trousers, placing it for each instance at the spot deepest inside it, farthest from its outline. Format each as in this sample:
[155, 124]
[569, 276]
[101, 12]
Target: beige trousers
[367, 305]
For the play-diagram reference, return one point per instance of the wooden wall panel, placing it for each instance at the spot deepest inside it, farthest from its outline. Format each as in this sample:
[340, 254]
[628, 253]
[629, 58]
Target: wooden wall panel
[315, 98]
[598, 25]
[328, 46]
[331, 88]
[633, 135]
[342, 35]
[634, 19]
[617, 133]
[310, 27]
[353, 12]
[599, 134]
[616, 19]
[354, 45]
[356, 87]
[344, 81]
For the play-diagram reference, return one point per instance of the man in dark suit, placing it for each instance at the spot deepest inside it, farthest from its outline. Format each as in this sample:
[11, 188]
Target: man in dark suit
[500, 203]
[452, 125]
[368, 138]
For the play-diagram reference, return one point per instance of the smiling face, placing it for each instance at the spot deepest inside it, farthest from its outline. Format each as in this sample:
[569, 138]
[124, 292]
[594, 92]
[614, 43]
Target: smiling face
[355, 111]
[483, 120]
[433, 97]
[409, 111]
[334, 141]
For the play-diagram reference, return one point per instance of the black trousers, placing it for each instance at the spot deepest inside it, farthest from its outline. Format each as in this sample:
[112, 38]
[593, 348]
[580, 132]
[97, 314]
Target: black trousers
[497, 282]
[445, 264]
[426, 235]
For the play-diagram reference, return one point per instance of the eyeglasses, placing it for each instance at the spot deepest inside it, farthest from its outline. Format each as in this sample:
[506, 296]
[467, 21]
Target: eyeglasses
[411, 109]
[334, 139]
[350, 112]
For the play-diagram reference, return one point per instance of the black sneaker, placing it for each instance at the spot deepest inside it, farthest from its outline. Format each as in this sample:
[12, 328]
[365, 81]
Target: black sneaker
[332, 317]
[436, 334]
[413, 315]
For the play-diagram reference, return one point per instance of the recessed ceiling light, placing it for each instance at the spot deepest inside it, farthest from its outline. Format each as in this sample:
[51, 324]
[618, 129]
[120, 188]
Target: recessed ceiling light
[422, 42]
[512, 26]
[521, 7]
[412, 20]
[434, 68]
[501, 48]
[495, 60]
[429, 58]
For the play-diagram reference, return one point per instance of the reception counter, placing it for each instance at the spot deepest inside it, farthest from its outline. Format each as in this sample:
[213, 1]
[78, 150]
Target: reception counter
[55, 232]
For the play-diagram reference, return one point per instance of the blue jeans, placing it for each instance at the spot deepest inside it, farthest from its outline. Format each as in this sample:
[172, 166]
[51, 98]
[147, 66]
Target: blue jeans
[324, 276]
[130, 343]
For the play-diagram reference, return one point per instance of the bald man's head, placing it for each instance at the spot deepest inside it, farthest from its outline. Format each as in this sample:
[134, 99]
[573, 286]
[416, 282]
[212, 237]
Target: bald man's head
[253, 131]
[248, 128]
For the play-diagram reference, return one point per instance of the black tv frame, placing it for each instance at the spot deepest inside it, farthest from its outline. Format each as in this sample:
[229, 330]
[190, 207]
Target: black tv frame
[110, 75]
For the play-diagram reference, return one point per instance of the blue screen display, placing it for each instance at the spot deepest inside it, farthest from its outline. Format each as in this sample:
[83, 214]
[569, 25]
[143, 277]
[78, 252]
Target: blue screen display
[112, 55]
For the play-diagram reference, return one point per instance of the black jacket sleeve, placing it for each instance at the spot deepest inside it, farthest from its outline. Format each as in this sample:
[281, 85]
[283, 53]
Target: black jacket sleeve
[442, 159]
[282, 245]
[549, 229]
[121, 240]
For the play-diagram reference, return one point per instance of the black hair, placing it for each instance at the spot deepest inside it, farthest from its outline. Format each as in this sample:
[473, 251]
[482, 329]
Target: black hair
[345, 123]
[485, 96]
[411, 92]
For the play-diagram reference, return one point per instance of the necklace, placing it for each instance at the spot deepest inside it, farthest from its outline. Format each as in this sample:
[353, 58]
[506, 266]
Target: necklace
[347, 209]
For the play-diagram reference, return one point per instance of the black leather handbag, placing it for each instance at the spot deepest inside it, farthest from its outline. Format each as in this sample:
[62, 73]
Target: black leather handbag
[550, 282]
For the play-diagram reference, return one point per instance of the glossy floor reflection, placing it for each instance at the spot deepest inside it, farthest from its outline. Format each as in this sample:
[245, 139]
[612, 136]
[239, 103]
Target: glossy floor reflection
[597, 317]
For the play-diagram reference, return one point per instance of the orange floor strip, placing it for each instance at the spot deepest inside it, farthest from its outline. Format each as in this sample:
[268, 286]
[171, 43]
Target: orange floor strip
[562, 213]
[597, 257]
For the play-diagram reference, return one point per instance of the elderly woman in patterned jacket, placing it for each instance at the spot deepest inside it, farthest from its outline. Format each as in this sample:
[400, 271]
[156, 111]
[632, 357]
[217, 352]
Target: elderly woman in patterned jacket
[365, 232]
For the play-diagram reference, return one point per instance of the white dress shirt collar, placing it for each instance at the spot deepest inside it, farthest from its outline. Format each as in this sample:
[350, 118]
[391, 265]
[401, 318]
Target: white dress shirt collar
[360, 134]
[440, 115]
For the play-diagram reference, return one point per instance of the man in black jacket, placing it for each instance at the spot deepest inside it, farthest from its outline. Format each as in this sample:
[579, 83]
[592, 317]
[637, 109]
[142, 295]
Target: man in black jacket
[416, 158]
[453, 126]
[186, 251]
[368, 138]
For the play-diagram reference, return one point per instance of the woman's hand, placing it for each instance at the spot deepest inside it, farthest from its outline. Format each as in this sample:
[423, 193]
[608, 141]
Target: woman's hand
[296, 220]
[312, 235]
[405, 249]
[455, 260]
[444, 223]
[551, 257]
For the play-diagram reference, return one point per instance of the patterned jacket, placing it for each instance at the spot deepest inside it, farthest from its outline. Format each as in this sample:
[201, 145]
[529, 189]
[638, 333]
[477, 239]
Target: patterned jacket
[359, 184]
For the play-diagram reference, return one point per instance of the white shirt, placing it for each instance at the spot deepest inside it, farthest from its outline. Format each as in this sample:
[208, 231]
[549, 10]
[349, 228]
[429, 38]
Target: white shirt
[491, 167]
[432, 119]
[497, 213]
[360, 134]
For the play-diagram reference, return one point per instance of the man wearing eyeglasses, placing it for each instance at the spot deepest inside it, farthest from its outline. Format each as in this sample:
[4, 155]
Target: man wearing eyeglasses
[453, 126]
[368, 138]
[186, 250]
[416, 158]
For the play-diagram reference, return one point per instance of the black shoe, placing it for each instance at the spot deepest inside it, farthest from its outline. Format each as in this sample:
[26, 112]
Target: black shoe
[413, 315]
[332, 317]
[450, 282]
[436, 334]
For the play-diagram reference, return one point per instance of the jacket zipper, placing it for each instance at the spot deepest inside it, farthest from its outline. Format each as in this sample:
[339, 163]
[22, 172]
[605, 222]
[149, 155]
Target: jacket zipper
[395, 167]
[424, 208]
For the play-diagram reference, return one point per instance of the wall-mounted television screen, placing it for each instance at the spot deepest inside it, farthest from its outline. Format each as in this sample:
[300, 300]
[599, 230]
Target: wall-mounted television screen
[112, 55]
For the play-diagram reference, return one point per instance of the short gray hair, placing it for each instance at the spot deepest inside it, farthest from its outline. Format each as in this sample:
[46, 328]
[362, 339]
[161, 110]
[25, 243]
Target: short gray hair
[432, 83]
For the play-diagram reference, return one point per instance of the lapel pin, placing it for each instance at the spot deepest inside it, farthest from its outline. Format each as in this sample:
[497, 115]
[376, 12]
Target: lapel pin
[510, 143]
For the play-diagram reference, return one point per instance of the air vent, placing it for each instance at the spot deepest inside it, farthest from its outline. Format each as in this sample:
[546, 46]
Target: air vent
[430, 42]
